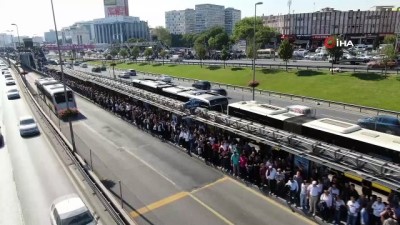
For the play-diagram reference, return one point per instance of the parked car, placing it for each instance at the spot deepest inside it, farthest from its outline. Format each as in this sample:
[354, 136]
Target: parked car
[202, 85]
[70, 210]
[382, 123]
[132, 72]
[219, 91]
[96, 69]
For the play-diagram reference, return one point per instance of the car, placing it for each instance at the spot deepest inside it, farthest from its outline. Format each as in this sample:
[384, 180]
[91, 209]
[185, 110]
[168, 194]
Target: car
[69, 66]
[7, 76]
[70, 209]
[382, 123]
[165, 78]
[103, 68]
[77, 63]
[219, 91]
[202, 85]
[13, 94]
[96, 69]
[132, 72]
[124, 75]
[84, 65]
[10, 82]
[27, 126]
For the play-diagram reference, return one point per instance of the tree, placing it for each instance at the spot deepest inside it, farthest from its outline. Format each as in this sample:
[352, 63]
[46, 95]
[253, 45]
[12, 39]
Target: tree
[285, 51]
[224, 54]
[163, 53]
[244, 30]
[108, 57]
[89, 53]
[148, 53]
[123, 53]
[375, 44]
[335, 52]
[114, 52]
[390, 39]
[250, 50]
[135, 53]
[163, 35]
[188, 40]
[390, 55]
[201, 53]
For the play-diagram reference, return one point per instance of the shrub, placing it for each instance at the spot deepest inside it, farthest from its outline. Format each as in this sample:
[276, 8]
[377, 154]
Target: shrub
[254, 83]
[66, 113]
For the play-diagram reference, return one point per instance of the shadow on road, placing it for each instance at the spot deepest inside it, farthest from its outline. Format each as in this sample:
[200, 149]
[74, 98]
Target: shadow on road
[270, 71]
[213, 67]
[308, 73]
[369, 76]
[237, 69]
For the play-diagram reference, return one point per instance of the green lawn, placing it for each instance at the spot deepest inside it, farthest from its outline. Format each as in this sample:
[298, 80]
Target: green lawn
[366, 89]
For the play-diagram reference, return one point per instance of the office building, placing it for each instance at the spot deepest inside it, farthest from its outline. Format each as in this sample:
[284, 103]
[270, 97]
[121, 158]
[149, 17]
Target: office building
[114, 8]
[208, 16]
[311, 29]
[50, 36]
[6, 40]
[180, 21]
[120, 29]
[79, 33]
[202, 18]
[232, 16]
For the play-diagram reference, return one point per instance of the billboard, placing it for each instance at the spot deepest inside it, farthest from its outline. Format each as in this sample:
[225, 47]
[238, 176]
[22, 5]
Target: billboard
[116, 11]
[110, 2]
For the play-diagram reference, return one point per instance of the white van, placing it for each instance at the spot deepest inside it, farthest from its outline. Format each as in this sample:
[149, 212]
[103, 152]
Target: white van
[305, 110]
[70, 209]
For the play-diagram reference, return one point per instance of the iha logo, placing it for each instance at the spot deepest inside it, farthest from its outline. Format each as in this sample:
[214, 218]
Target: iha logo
[331, 42]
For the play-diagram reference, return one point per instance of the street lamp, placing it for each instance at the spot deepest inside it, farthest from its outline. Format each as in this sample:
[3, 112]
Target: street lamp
[63, 79]
[254, 47]
[19, 42]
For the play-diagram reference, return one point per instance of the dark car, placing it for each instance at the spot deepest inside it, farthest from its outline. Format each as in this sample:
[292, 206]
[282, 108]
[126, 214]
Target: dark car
[382, 123]
[96, 69]
[103, 68]
[202, 85]
[219, 91]
[132, 72]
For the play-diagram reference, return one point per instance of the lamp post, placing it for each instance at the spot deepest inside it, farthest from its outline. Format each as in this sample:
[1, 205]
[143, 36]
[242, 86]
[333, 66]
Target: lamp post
[254, 47]
[19, 41]
[63, 79]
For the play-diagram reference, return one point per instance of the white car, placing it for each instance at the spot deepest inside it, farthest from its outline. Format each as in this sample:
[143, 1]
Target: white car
[125, 75]
[165, 78]
[13, 94]
[28, 126]
[10, 82]
[70, 210]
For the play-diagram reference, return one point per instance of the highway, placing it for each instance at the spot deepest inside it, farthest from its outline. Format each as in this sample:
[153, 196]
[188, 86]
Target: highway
[322, 111]
[39, 174]
[163, 185]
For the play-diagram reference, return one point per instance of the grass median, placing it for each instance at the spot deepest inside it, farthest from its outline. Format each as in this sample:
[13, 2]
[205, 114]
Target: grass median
[368, 89]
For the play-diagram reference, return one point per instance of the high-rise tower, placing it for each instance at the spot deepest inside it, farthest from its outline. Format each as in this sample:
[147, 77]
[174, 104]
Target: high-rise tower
[116, 8]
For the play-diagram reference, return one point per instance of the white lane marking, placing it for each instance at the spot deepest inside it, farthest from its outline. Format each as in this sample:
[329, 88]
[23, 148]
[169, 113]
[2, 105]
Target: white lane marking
[130, 153]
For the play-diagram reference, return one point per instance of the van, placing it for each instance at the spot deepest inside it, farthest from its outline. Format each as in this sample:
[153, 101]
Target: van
[305, 110]
[70, 210]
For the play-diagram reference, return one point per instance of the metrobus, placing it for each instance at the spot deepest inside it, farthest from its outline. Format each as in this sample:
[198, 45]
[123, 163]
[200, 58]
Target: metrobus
[265, 53]
[53, 95]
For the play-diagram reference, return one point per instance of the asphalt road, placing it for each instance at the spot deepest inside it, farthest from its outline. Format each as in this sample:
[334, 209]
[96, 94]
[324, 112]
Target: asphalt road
[40, 176]
[163, 185]
[322, 109]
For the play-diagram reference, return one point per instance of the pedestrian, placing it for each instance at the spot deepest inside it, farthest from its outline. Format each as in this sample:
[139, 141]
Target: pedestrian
[313, 194]
[353, 209]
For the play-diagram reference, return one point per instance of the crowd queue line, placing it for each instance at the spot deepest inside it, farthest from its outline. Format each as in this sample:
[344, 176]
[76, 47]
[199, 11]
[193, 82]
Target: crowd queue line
[273, 171]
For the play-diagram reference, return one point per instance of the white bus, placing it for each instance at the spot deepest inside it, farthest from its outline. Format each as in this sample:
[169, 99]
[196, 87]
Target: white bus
[265, 53]
[54, 97]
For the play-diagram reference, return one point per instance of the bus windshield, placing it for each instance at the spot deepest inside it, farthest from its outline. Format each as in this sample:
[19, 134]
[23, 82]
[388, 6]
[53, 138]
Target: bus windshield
[60, 97]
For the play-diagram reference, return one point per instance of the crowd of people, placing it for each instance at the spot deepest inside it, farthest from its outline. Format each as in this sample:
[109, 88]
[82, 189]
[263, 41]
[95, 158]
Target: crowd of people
[315, 192]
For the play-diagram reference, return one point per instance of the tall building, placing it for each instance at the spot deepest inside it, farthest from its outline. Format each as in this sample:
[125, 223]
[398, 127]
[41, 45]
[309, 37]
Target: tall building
[50, 36]
[116, 8]
[232, 16]
[180, 21]
[208, 16]
[120, 29]
[202, 18]
[78, 34]
[358, 26]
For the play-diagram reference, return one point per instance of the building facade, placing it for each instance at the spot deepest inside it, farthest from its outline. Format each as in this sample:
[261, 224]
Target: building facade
[232, 16]
[78, 34]
[114, 8]
[180, 21]
[208, 16]
[50, 36]
[357, 26]
[120, 29]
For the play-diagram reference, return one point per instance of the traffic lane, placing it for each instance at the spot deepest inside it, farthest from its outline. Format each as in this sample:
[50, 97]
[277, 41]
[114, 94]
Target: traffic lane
[38, 175]
[170, 164]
